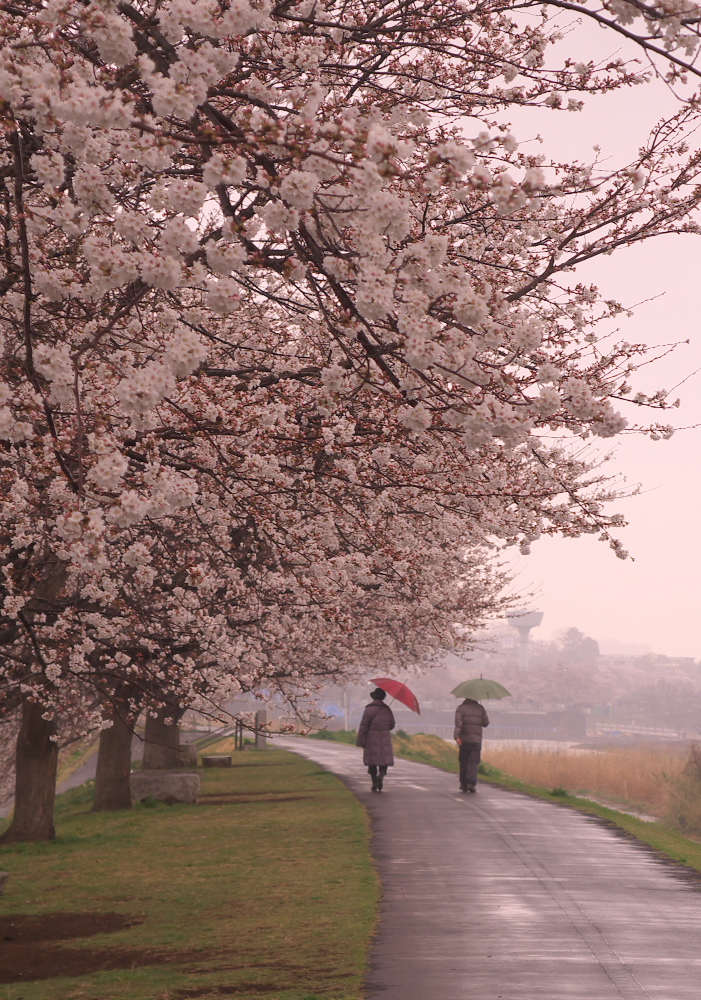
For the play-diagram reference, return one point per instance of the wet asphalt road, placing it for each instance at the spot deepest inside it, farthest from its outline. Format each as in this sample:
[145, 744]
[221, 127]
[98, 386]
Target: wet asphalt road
[496, 896]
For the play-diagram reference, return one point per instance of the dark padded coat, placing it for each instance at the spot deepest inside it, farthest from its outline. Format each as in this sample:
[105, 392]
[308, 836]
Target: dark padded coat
[470, 720]
[374, 734]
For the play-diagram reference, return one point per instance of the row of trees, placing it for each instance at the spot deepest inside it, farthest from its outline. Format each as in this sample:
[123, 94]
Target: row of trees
[290, 350]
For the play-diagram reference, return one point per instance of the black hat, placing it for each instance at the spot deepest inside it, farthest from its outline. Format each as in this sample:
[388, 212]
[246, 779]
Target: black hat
[378, 694]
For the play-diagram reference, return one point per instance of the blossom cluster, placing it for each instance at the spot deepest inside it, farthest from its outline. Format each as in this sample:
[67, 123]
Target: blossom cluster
[289, 349]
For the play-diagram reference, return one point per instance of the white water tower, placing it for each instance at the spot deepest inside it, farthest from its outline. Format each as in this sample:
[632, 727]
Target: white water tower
[523, 622]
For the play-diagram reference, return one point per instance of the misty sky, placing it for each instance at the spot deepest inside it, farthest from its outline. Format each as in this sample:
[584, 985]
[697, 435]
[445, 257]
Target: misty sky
[653, 600]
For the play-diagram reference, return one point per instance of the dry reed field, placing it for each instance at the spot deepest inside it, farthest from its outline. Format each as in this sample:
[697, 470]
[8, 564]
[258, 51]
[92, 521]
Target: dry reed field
[637, 776]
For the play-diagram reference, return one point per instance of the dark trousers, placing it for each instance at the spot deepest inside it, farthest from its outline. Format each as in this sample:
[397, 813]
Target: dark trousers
[372, 770]
[469, 761]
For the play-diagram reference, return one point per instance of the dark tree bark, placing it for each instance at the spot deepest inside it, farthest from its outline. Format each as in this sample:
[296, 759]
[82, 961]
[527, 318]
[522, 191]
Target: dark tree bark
[35, 781]
[162, 740]
[112, 789]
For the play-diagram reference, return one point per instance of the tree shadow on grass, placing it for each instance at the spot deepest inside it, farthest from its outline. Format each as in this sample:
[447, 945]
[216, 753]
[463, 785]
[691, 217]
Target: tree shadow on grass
[228, 991]
[237, 798]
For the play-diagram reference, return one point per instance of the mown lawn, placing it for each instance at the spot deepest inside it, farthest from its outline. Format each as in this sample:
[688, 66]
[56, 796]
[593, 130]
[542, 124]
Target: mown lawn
[265, 889]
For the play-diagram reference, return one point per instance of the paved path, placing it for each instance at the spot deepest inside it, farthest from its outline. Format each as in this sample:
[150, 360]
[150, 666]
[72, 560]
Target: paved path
[497, 896]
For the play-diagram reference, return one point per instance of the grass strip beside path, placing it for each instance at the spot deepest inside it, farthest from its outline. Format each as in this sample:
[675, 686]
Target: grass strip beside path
[428, 749]
[264, 889]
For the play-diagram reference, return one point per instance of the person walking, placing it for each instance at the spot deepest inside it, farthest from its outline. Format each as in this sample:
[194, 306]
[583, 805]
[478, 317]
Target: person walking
[470, 720]
[374, 737]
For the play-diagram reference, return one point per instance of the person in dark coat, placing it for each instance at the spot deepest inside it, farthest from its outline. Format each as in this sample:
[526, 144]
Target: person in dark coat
[470, 720]
[374, 737]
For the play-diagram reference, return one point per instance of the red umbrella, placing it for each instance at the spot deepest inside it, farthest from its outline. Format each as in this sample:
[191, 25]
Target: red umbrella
[399, 691]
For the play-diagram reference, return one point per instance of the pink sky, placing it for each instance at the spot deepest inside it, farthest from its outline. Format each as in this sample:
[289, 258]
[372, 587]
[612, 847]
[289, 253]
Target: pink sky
[652, 600]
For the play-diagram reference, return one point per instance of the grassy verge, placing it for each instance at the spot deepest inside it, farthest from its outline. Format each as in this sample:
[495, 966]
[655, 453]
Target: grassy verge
[426, 749]
[265, 889]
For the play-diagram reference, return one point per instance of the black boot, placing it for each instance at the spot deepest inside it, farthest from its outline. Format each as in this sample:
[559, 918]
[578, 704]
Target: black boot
[379, 782]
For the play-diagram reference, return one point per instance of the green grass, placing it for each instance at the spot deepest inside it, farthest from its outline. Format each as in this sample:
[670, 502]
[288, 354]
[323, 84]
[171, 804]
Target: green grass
[268, 893]
[427, 749]
[338, 736]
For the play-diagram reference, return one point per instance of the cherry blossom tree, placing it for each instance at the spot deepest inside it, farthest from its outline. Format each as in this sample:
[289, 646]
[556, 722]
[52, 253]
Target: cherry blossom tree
[281, 572]
[290, 333]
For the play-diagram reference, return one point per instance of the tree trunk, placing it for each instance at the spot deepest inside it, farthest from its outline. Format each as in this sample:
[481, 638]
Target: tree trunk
[162, 740]
[112, 789]
[35, 781]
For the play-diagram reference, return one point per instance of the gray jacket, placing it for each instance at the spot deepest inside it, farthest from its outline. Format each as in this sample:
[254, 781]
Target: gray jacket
[374, 734]
[470, 720]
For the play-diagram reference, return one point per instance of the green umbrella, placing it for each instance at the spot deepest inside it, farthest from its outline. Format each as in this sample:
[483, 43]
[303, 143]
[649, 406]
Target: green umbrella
[481, 689]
